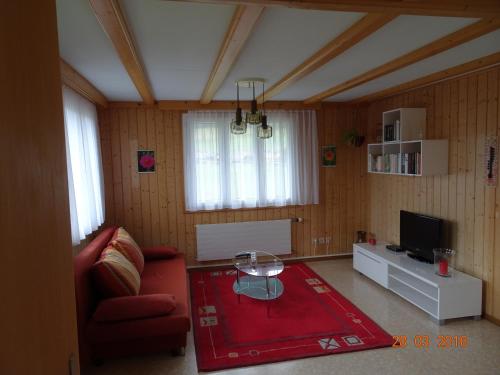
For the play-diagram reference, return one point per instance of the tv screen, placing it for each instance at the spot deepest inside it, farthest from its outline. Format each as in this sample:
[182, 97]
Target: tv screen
[420, 234]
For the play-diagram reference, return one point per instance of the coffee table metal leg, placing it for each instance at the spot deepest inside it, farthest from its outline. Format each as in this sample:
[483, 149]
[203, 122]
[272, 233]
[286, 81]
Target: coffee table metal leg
[238, 283]
[267, 286]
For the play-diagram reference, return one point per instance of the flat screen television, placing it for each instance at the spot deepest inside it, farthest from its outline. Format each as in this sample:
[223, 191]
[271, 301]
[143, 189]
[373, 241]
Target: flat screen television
[419, 235]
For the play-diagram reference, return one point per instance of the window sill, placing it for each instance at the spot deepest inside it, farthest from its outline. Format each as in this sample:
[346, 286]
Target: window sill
[228, 210]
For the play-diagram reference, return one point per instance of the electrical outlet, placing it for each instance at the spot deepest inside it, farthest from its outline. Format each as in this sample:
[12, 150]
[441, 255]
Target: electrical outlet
[322, 240]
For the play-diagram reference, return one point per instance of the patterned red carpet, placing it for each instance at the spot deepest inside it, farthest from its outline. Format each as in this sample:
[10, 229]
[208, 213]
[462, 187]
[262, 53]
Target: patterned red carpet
[309, 319]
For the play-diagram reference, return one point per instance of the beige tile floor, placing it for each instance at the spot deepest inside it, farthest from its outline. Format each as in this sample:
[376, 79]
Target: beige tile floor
[398, 317]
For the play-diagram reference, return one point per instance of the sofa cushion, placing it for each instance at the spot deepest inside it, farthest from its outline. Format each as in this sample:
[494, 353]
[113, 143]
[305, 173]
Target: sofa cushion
[134, 307]
[114, 275]
[160, 276]
[159, 252]
[124, 243]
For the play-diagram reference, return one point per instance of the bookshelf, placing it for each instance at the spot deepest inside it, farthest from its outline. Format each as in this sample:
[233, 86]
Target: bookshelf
[404, 151]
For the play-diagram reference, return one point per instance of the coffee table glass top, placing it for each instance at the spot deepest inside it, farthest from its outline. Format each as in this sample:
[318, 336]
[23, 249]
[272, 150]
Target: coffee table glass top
[258, 263]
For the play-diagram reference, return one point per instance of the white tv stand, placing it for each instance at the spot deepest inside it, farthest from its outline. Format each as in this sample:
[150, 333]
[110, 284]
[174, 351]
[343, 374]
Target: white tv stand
[441, 297]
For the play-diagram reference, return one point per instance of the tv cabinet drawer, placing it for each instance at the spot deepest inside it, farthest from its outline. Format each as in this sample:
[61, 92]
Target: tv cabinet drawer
[370, 266]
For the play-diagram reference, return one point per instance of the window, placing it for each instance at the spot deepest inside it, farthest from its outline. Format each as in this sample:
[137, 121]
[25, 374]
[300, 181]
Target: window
[83, 155]
[223, 170]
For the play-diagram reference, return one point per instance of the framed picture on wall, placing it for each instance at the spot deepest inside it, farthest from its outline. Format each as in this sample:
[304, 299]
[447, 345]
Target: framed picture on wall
[146, 161]
[329, 156]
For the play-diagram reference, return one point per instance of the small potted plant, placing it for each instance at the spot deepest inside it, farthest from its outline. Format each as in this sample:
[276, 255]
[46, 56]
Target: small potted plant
[352, 138]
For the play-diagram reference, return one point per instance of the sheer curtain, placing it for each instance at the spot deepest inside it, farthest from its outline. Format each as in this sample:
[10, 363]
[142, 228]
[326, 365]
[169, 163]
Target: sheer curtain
[223, 170]
[83, 154]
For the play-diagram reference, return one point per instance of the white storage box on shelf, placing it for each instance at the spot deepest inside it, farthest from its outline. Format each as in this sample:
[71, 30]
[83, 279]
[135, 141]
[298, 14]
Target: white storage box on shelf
[441, 297]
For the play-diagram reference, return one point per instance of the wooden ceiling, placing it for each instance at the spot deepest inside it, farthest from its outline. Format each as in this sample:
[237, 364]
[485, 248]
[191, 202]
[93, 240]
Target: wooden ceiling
[202, 64]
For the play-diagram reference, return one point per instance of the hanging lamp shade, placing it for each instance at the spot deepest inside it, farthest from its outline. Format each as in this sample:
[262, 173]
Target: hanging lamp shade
[238, 126]
[264, 131]
[254, 117]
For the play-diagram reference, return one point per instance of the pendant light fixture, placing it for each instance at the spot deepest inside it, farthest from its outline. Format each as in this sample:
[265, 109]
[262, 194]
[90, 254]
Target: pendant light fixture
[238, 126]
[264, 130]
[254, 117]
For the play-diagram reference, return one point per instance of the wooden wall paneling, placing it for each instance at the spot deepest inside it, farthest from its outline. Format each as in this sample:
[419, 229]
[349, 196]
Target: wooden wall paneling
[480, 190]
[362, 198]
[162, 152]
[431, 126]
[344, 181]
[176, 125]
[468, 262]
[496, 256]
[128, 214]
[490, 195]
[453, 167]
[324, 177]
[333, 174]
[446, 135]
[142, 134]
[326, 190]
[461, 172]
[117, 168]
[153, 179]
[135, 184]
[299, 249]
[438, 133]
[340, 195]
[307, 231]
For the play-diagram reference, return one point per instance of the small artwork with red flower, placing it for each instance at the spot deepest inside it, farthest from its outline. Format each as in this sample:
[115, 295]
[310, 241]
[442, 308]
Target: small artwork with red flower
[145, 161]
[329, 156]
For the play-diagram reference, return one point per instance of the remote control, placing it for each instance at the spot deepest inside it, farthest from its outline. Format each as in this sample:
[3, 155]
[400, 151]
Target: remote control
[395, 248]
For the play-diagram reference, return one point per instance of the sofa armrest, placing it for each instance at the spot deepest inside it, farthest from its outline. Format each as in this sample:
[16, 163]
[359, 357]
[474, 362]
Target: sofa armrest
[159, 252]
[134, 307]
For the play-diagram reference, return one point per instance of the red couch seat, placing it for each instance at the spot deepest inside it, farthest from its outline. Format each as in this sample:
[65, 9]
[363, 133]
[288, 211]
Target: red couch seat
[158, 277]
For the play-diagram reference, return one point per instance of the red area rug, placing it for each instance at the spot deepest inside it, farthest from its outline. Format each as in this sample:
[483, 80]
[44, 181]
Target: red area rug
[309, 319]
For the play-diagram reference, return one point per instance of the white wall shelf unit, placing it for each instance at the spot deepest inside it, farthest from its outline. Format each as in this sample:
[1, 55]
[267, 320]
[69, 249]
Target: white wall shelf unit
[441, 297]
[404, 151]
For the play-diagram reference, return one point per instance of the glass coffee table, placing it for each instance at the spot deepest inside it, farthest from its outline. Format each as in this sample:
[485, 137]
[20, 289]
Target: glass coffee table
[260, 275]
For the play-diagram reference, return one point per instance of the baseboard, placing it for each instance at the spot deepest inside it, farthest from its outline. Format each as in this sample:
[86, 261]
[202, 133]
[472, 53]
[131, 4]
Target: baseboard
[314, 258]
[492, 319]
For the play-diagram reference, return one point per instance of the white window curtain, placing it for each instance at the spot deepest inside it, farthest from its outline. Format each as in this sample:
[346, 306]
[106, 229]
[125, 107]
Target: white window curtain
[223, 170]
[83, 153]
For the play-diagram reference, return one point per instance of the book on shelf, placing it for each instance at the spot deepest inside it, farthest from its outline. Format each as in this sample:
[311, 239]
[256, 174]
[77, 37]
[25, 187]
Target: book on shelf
[392, 163]
[411, 163]
[392, 131]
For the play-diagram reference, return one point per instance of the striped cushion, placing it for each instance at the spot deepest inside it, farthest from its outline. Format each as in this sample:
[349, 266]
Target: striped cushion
[124, 243]
[114, 275]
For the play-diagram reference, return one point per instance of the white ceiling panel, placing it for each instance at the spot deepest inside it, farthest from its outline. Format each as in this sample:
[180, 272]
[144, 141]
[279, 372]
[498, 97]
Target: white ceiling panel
[282, 39]
[403, 35]
[178, 43]
[485, 45]
[85, 46]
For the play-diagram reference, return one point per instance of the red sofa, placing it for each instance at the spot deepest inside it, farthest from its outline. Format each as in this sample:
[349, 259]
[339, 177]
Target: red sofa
[101, 340]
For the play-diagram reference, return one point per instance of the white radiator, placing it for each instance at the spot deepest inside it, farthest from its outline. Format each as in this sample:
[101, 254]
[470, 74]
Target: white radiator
[223, 241]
